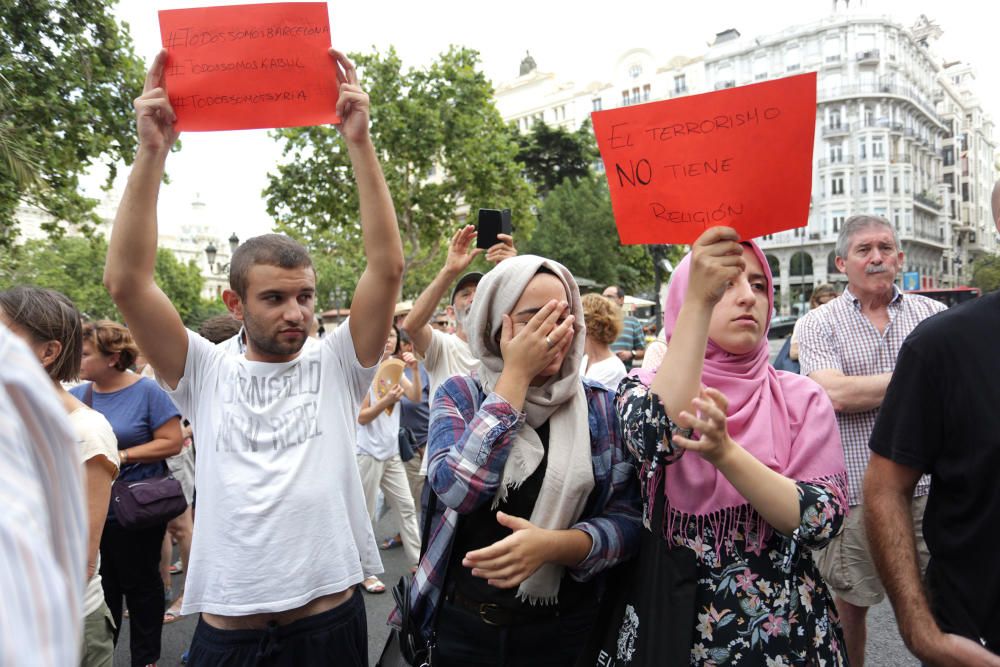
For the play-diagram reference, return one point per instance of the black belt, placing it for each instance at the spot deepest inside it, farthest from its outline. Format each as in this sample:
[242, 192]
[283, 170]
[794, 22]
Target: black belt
[493, 614]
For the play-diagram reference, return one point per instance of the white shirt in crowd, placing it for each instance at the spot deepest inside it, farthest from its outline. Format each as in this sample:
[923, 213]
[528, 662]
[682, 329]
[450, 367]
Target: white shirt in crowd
[95, 437]
[43, 528]
[379, 438]
[281, 515]
[608, 372]
[446, 355]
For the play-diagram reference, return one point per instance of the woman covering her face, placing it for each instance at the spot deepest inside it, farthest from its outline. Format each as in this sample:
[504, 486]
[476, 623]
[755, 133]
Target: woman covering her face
[528, 519]
[759, 483]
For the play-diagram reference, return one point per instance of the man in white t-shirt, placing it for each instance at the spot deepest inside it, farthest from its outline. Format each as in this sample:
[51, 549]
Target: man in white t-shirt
[445, 354]
[282, 533]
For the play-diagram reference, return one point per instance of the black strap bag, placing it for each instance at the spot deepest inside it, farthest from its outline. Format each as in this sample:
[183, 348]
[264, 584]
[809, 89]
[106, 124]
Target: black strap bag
[647, 614]
[406, 647]
[145, 502]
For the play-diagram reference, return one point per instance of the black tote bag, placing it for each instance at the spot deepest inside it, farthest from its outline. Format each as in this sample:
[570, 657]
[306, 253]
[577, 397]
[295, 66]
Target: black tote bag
[647, 615]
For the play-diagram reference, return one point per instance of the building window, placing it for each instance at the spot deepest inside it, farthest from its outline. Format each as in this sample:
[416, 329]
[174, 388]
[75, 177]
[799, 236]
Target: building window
[864, 185]
[646, 90]
[878, 147]
[835, 118]
[836, 152]
[895, 185]
[965, 191]
[625, 98]
[596, 104]
[878, 182]
[837, 185]
[862, 149]
[635, 71]
[838, 222]
[680, 84]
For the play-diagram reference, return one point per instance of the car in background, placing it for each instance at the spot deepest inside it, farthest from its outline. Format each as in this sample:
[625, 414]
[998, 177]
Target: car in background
[781, 326]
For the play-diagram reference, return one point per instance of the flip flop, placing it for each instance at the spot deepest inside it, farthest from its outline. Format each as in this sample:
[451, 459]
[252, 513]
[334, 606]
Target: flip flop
[171, 616]
[177, 568]
[373, 585]
[391, 543]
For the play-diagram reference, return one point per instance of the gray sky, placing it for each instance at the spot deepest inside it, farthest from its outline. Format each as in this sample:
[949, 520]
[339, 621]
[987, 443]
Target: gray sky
[580, 41]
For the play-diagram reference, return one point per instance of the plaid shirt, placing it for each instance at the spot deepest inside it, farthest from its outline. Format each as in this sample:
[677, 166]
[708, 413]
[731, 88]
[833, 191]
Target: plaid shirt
[838, 336]
[470, 439]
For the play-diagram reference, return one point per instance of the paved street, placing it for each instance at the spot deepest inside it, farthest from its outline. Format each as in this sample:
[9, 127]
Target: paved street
[885, 648]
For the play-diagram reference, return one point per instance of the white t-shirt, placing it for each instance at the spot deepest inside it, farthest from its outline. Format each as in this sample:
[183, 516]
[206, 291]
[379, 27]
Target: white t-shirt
[281, 514]
[446, 355]
[379, 438]
[95, 437]
[608, 372]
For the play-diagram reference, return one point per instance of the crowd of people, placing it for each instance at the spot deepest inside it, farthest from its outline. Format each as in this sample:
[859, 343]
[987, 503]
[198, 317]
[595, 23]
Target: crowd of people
[526, 440]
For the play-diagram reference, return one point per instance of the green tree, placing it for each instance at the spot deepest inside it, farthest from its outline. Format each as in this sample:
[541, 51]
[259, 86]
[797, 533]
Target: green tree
[577, 228]
[986, 273]
[75, 267]
[552, 154]
[443, 145]
[69, 74]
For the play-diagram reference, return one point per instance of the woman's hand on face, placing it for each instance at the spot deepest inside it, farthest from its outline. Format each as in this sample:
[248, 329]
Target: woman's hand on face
[507, 563]
[707, 416]
[716, 261]
[539, 342]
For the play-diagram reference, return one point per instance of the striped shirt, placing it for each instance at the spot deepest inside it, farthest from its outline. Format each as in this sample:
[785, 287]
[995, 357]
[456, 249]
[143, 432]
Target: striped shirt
[470, 439]
[837, 336]
[630, 339]
[43, 531]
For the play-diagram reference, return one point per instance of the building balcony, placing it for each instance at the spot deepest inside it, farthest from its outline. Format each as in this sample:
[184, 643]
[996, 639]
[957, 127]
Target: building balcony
[837, 130]
[922, 199]
[911, 95]
[833, 61]
[836, 162]
[869, 57]
[900, 159]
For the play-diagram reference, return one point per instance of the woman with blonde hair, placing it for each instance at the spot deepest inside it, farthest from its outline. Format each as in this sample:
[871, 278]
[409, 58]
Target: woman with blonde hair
[604, 322]
[148, 428]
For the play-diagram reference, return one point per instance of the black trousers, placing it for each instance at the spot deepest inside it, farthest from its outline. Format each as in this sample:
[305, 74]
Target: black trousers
[130, 568]
[335, 637]
[464, 640]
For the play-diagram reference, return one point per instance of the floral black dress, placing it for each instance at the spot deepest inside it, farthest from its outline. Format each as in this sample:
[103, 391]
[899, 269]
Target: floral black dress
[766, 606]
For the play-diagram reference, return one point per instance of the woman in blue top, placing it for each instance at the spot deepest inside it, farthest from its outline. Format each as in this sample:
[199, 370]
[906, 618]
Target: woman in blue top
[148, 428]
[538, 490]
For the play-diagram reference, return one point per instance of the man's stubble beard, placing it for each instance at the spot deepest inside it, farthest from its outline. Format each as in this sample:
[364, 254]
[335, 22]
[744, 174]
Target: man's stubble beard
[269, 344]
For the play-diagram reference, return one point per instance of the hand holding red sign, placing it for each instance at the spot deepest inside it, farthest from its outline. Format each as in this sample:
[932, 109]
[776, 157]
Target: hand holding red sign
[155, 119]
[740, 157]
[250, 66]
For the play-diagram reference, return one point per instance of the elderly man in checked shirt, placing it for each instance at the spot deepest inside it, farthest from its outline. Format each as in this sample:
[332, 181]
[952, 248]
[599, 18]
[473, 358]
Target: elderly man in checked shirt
[849, 346]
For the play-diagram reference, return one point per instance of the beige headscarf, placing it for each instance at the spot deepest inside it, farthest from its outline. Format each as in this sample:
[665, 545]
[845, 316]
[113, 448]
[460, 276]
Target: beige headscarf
[569, 475]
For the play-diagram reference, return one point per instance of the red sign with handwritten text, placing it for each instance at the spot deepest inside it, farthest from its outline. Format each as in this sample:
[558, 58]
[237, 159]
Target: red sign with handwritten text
[248, 66]
[740, 157]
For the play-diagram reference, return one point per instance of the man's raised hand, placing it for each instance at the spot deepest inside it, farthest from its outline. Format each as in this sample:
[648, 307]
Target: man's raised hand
[154, 116]
[459, 253]
[353, 105]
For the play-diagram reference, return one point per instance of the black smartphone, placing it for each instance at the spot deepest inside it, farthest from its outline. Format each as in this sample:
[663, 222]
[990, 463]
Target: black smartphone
[492, 221]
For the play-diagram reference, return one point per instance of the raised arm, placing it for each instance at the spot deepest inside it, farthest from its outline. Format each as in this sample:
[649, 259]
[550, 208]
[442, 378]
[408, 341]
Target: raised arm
[378, 287]
[128, 272]
[460, 255]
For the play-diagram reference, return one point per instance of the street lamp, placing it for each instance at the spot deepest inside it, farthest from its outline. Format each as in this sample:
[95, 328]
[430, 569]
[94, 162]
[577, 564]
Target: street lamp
[211, 252]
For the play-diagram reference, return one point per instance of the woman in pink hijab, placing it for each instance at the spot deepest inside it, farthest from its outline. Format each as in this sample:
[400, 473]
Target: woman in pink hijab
[749, 459]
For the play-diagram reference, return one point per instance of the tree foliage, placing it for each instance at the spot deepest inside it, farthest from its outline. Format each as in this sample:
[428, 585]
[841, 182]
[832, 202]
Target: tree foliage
[69, 74]
[577, 228]
[75, 267]
[444, 149]
[986, 273]
[552, 154]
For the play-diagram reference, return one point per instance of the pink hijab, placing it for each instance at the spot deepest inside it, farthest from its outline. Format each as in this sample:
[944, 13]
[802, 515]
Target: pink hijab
[785, 420]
